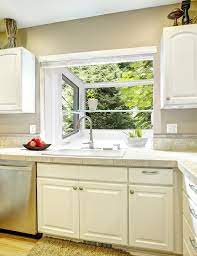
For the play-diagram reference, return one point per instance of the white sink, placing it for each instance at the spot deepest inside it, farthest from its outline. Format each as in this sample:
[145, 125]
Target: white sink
[87, 152]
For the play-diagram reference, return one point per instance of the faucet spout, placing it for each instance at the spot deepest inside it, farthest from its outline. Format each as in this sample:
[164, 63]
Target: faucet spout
[91, 141]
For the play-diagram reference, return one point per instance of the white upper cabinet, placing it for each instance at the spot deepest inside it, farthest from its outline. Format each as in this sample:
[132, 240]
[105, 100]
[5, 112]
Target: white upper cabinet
[17, 81]
[179, 67]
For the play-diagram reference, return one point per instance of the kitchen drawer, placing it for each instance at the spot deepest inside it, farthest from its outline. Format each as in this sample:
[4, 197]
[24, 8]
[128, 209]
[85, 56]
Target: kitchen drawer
[190, 212]
[189, 239]
[102, 173]
[151, 176]
[76, 172]
[59, 171]
[190, 189]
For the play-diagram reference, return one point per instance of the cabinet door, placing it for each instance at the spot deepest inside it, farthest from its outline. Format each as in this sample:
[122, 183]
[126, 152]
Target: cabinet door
[10, 84]
[179, 65]
[103, 212]
[58, 207]
[151, 217]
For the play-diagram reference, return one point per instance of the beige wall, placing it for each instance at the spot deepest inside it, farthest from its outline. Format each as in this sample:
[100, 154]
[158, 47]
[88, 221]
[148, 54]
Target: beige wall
[121, 30]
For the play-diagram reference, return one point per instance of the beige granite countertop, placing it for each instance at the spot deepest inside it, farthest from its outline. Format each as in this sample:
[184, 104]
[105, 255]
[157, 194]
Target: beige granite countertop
[185, 161]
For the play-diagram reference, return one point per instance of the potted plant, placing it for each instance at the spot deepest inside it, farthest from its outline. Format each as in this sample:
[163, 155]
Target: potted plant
[92, 101]
[135, 138]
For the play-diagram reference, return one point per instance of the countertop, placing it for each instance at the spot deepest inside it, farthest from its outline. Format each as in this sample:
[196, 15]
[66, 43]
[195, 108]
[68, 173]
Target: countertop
[185, 161]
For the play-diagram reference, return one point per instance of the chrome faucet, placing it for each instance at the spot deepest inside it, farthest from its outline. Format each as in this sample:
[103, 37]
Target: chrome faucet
[91, 142]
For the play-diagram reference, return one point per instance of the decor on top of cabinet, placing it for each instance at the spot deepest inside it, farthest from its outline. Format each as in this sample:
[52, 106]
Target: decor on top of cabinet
[183, 12]
[11, 31]
[175, 15]
[9, 26]
[185, 7]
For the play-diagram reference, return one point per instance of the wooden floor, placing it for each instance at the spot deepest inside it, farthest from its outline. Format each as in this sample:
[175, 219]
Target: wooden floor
[12, 245]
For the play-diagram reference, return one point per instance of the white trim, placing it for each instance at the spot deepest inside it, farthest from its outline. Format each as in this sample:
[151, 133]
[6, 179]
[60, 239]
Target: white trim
[119, 84]
[95, 57]
[114, 111]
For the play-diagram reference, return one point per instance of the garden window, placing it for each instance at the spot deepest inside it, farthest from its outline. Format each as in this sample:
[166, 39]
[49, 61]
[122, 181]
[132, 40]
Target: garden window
[124, 92]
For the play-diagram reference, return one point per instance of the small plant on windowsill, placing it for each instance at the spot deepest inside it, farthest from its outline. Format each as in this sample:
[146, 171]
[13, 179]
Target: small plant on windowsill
[135, 138]
[92, 101]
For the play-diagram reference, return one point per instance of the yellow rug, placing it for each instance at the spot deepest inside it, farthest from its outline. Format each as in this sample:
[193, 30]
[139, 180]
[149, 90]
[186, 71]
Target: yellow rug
[57, 247]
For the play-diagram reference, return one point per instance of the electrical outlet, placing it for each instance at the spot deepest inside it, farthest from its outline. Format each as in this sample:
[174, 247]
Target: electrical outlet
[32, 128]
[171, 128]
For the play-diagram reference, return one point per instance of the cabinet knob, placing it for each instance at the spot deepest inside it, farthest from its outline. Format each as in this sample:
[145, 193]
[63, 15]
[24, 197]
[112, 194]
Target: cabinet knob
[132, 192]
[74, 188]
[80, 188]
[168, 98]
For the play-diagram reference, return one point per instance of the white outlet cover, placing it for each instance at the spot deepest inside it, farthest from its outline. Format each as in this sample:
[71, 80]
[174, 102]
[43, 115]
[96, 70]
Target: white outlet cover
[172, 128]
[32, 128]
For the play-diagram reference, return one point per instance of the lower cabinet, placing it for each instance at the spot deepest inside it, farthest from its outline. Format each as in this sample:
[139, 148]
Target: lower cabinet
[85, 210]
[103, 212]
[151, 217]
[58, 207]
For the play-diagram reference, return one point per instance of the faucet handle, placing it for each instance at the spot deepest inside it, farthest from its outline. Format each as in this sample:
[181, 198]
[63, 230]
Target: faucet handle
[116, 146]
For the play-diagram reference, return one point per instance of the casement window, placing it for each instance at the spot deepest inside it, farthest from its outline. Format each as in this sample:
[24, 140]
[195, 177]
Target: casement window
[70, 104]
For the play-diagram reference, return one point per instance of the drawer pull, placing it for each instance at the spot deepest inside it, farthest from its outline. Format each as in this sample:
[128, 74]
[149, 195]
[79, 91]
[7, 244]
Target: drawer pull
[193, 243]
[132, 192]
[80, 188]
[150, 172]
[193, 212]
[74, 188]
[194, 188]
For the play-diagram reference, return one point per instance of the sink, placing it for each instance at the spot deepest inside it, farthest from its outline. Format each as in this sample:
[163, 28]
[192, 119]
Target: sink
[104, 153]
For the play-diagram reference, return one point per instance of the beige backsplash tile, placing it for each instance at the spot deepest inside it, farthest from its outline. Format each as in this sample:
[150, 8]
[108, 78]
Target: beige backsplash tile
[12, 141]
[175, 142]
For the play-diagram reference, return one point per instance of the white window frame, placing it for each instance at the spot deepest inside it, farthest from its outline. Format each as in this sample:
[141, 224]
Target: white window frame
[51, 70]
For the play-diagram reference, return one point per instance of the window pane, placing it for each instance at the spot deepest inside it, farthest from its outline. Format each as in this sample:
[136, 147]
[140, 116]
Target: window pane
[138, 97]
[70, 102]
[120, 120]
[118, 72]
[124, 98]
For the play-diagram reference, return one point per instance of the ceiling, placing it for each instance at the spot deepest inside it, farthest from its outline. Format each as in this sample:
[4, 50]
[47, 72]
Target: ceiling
[30, 13]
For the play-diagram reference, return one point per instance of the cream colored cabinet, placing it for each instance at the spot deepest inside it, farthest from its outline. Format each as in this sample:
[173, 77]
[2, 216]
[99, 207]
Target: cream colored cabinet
[58, 207]
[189, 217]
[178, 67]
[17, 81]
[103, 212]
[81, 202]
[151, 217]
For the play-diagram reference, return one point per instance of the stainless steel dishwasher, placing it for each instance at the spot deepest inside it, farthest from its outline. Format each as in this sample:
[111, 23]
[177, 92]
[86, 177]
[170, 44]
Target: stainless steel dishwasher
[18, 196]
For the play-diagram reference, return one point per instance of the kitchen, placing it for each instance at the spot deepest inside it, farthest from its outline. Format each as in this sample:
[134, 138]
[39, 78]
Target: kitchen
[95, 186]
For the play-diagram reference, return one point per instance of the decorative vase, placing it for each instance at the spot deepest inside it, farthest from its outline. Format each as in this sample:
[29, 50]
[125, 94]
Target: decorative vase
[92, 104]
[185, 7]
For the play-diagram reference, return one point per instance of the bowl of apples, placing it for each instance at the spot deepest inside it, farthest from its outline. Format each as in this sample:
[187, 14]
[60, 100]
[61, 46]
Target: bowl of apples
[36, 144]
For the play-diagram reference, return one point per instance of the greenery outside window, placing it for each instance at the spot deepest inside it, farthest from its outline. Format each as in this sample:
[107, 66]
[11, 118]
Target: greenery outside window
[124, 92]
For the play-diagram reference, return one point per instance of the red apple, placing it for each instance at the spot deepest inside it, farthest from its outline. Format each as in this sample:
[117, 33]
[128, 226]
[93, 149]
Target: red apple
[32, 143]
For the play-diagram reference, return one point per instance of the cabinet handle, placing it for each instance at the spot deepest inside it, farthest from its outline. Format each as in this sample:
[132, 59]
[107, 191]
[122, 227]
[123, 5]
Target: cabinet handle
[74, 188]
[193, 243]
[80, 188]
[150, 172]
[194, 188]
[132, 192]
[168, 98]
[193, 212]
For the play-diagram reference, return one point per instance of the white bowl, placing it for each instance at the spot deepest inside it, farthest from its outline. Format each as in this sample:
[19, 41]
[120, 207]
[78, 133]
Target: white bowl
[137, 142]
